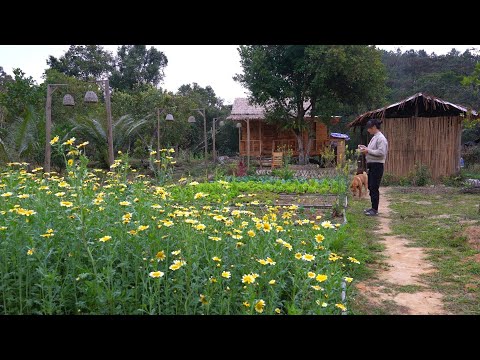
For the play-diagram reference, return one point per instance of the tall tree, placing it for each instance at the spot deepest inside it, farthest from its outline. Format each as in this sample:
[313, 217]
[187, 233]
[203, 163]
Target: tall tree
[291, 80]
[83, 62]
[19, 94]
[205, 97]
[4, 78]
[136, 66]
[473, 82]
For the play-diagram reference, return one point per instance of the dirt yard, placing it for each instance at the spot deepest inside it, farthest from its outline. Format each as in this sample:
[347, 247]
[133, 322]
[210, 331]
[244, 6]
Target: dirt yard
[431, 242]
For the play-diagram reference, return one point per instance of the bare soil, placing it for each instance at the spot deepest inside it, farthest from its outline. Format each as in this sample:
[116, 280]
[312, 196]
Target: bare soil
[405, 265]
[473, 236]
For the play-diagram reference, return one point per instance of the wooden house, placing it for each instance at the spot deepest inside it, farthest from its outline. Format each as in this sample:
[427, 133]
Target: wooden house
[257, 138]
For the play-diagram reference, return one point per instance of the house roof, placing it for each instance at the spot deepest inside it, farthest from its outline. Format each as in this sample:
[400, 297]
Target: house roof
[243, 110]
[424, 104]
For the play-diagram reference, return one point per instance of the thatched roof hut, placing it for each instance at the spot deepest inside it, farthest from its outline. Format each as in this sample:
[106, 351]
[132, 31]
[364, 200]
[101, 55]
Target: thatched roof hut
[421, 129]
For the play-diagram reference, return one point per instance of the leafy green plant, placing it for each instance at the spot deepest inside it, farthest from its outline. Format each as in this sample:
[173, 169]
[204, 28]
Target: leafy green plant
[283, 173]
[471, 155]
[420, 175]
[389, 180]
[96, 242]
[162, 164]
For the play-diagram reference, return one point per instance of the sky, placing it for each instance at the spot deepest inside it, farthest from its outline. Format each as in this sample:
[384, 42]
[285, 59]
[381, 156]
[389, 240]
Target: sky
[213, 65]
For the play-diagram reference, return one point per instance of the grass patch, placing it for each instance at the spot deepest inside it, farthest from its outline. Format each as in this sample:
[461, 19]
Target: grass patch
[409, 288]
[365, 246]
[458, 276]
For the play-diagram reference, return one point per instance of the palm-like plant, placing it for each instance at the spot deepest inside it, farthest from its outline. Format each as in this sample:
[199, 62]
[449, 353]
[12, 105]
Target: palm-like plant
[21, 140]
[124, 129]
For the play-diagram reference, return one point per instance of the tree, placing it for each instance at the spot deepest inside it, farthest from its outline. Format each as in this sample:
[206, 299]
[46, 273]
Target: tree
[203, 96]
[83, 62]
[440, 75]
[472, 81]
[291, 80]
[4, 78]
[135, 66]
[226, 136]
[19, 94]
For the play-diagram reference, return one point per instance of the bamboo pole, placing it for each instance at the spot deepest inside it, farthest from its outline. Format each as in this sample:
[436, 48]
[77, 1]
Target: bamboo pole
[248, 143]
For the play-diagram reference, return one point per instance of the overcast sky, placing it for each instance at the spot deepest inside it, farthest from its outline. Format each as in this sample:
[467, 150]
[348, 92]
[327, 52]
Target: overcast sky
[213, 65]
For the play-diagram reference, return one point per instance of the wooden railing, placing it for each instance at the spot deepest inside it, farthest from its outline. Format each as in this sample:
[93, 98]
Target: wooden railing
[255, 147]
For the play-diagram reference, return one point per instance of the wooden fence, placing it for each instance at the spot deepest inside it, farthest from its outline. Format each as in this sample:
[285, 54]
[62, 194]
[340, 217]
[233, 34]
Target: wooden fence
[434, 142]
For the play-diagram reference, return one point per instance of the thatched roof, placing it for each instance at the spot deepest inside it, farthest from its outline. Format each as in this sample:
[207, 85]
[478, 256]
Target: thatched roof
[243, 110]
[422, 104]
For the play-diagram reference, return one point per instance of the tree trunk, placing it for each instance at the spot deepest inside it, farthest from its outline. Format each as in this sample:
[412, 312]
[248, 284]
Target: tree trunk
[301, 149]
[311, 137]
[307, 151]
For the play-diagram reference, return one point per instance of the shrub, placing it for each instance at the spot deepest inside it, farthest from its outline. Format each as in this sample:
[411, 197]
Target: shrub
[420, 175]
[283, 173]
[453, 180]
[389, 179]
[471, 155]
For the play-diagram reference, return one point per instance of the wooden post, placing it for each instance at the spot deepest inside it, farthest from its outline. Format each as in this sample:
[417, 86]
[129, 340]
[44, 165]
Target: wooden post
[459, 128]
[248, 143]
[109, 122]
[213, 140]
[48, 129]
[260, 137]
[205, 136]
[158, 138]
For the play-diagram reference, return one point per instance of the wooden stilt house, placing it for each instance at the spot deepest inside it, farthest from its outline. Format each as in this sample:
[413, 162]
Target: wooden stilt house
[260, 139]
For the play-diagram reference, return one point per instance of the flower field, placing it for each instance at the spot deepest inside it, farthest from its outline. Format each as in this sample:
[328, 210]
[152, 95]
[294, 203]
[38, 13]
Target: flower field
[96, 242]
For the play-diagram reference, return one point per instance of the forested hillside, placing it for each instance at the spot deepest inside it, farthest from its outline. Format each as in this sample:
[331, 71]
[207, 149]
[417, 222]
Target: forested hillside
[412, 71]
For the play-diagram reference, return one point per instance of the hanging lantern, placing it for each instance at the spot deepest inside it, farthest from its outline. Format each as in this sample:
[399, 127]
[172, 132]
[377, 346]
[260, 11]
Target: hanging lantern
[191, 119]
[169, 117]
[68, 100]
[91, 97]
[221, 123]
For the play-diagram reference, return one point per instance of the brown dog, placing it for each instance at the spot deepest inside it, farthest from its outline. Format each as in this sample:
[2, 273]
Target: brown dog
[358, 182]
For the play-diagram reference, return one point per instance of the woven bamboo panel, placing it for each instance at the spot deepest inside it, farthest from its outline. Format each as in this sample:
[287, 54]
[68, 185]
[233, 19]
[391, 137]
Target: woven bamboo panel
[433, 142]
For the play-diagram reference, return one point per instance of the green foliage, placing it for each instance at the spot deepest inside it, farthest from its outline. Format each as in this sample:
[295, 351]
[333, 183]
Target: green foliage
[24, 140]
[471, 155]
[283, 173]
[286, 77]
[162, 164]
[83, 62]
[453, 180]
[4, 79]
[18, 95]
[137, 66]
[109, 243]
[412, 71]
[420, 176]
[389, 179]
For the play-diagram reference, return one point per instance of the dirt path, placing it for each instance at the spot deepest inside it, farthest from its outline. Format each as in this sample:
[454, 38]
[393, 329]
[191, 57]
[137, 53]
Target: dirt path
[405, 265]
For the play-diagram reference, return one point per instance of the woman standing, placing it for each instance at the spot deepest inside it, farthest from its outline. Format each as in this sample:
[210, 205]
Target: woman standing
[375, 153]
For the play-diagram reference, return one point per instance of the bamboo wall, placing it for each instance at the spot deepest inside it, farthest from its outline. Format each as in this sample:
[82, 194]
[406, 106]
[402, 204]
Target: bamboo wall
[434, 142]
